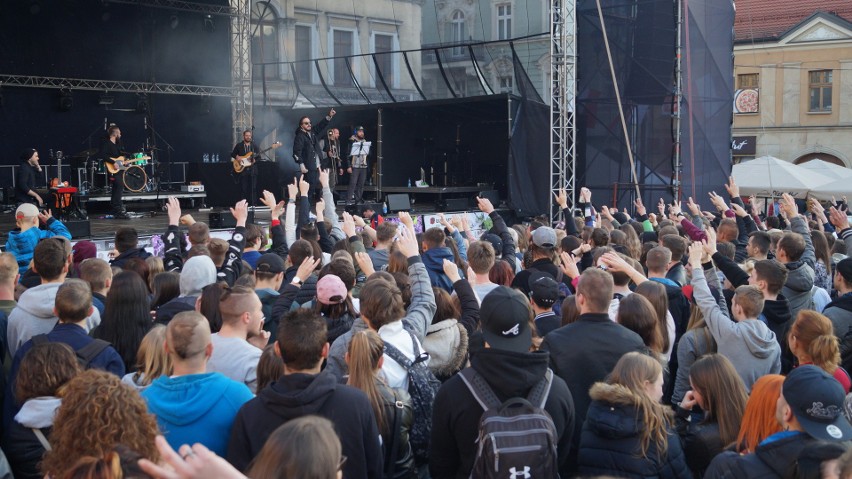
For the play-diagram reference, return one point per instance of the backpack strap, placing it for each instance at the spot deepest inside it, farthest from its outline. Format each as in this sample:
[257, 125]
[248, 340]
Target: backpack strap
[39, 339]
[480, 389]
[398, 356]
[393, 446]
[40, 436]
[538, 394]
[90, 351]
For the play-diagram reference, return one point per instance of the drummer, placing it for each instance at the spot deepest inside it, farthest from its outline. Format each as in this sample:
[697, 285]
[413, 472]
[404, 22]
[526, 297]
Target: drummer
[111, 148]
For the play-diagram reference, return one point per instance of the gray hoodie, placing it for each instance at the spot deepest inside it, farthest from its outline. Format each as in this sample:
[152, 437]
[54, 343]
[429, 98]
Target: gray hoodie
[34, 315]
[800, 274]
[750, 344]
[38, 412]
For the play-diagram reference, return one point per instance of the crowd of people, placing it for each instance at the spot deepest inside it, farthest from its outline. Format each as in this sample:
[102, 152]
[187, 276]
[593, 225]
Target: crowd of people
[618, 342]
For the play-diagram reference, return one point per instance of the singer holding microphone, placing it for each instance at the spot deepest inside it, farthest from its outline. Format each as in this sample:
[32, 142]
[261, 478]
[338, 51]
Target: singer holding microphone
[25, 182]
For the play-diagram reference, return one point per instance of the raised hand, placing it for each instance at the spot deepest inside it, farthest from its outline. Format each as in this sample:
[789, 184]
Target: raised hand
[640, 207]
[359, 222]
[661, 207]
[738, 210]
[694, 208]
[405, 218]
[696, 251]
[709, 245]
[788, 206]
[365, 263]
[568, 265]
[196, 462]
[732, 187]
[275, 209]
[293, 189]
[320, 206]
[187, 220]
[307, 267]
[304, 186]
[585, 195]
[718, 201]
[323, 177]
[240, 212]
[451, 270]
[838, 218]
[331, 113]
[485, 205]
[606, 213]
[675, 209]
[348, 225]
[173, 210]
[561, 199]
[407, 242]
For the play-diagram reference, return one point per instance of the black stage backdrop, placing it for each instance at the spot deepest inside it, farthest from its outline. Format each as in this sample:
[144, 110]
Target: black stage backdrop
[89, 39]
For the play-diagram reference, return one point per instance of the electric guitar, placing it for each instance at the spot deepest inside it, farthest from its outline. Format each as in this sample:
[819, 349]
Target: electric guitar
[121, 163]
[241, 162]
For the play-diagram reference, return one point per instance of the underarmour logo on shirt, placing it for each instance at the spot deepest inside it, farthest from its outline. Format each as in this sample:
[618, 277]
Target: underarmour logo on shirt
[515, 473]
[514, 331]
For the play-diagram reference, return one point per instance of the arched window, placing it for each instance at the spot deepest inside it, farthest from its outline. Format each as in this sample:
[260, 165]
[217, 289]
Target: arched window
[264, 39]
[819, 156]
[457, 32]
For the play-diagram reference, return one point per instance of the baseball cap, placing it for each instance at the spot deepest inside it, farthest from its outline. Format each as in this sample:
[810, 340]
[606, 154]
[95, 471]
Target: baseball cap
[844, 267]
[359, 128]
[331, 290]
[495, 241]
[543, 288]
[544, 236]
[26, 210]
[620, 217]
[504, 317]
[270, 263]
[816, 399]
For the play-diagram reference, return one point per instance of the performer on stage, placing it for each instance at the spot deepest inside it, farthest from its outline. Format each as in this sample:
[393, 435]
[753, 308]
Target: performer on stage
[25, 181]
[357, 169]
[244, 177]
[112, 148]
[331, 158]
[307, 152]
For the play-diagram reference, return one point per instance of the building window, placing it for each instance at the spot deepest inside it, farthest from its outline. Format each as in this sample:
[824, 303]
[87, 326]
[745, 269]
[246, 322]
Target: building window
[383, 45]
[506, 84]
[504, 22]
[344, 46]
[304, 50]
[748, 80]
[457, 30]
[819, 86]
[264, 41]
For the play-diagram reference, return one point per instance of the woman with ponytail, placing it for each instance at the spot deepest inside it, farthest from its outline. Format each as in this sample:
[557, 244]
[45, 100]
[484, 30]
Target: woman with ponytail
[719, 391]
[392, 407]
[628, 432]
[812, 341]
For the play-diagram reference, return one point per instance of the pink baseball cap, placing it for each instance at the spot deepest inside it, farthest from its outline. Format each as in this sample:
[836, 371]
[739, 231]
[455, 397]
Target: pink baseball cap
[331, 290]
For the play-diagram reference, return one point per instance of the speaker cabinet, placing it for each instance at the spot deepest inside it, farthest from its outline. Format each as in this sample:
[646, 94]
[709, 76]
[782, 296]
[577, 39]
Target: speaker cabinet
[222, 219]
[79, 228]
[398, 202]
[451, 204]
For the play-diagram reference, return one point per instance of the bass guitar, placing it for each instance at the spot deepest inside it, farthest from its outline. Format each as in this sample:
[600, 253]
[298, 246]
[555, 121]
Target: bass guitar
[121, 163]
[241, 162]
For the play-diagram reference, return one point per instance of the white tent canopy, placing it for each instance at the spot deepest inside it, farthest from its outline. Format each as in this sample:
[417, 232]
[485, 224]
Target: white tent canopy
[770, 177]
[840, 182]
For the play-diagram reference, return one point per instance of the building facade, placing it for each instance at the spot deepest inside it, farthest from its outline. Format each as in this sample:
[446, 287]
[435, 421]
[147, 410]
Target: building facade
[793, 81]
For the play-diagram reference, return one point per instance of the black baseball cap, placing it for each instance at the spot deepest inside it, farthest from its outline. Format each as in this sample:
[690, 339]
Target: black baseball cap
[816, 399]
[495, 241]
[543, 288]
[270, 263]
[844, 268]
[504, 317]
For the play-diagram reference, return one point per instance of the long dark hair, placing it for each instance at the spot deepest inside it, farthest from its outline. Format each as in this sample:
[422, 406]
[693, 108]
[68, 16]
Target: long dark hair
[166, 287]
[209, 306]
[127, 316]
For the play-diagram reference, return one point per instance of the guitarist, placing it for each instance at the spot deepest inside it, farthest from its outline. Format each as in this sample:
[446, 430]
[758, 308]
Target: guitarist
[307, 152]
[244, 177]
[112, 148]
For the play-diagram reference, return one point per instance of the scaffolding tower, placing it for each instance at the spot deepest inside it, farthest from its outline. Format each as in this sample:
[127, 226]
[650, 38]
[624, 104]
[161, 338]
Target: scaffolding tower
[563, 90]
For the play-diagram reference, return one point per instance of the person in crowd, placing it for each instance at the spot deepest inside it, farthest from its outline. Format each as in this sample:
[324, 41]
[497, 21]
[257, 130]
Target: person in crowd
[208, 305]
[720, 393]
[197, 272]
[165, 287]
[268, 277]
[155, 267]
[510, 370]
[192, 405]
[334, 301]
[501, 274]
[746, 341]
[380, 255]
[637, 314]
[655, 293]
[839, 311]
[544, 293]
[97, 413]
[434, 252]
[822, 265]
[303, 447]
[758, 245]
[593, 335]
[759, 420]
[98, 274]
[255, 243]
[391, 407]
[140, 267]
[544, 257]
[808, 409]
[627, 431]
[820, 460]
[22, 241]
[237, 346]
[269, 367]
[481, 258]
[127, 246]
[127, 317]
[305, 389]
[812, 341]
[677, 245]
[796, 251]
[44, 370]
[152, 361]
[448, 337]
[658, 261]
[299, 251]
[697, 341]
[8, 280]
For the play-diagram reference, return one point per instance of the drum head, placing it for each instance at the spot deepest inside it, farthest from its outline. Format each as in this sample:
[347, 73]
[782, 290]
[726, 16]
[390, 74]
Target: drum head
[135, 179]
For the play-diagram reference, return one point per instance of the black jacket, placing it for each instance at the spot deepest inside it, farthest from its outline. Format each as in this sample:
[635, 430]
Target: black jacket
[121, 259]
[779, 319]
[701, 441]
[456, 414]
[774, 458]
[166, 312]
[677, 273]
[610, 444]
[297, 395]
[306, 144]
[23, 450]
[585, 352]
[544, 265]
[25, 180]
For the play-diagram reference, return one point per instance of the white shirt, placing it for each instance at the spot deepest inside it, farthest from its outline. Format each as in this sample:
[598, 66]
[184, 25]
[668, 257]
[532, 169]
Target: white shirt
[393, 333]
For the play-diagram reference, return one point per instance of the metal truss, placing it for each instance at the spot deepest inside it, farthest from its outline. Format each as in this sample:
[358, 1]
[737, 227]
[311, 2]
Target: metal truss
[563, 89]
[241, 68]
[113, 86]
[227, 10]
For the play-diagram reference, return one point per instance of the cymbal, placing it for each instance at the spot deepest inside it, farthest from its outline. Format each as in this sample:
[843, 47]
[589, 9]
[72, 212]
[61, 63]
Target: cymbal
[85, 153]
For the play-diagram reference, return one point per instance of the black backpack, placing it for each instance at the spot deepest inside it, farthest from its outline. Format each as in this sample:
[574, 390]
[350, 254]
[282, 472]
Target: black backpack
[85, 355]
[517, 438]
[422, 387]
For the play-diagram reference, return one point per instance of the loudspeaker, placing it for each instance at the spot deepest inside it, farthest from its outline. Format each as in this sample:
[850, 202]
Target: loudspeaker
[492, 195]
[398, 202]
[451, 204]
[359, 209]
[221, 220]
[79, 228]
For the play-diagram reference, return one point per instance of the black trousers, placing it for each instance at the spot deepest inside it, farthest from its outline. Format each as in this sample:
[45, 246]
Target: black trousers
[117, 191]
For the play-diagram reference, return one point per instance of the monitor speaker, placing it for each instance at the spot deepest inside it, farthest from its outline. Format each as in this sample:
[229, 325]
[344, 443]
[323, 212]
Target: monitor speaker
[398, 202]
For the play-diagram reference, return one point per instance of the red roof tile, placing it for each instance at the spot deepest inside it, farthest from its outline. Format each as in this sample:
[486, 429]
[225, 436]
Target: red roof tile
[768, 19]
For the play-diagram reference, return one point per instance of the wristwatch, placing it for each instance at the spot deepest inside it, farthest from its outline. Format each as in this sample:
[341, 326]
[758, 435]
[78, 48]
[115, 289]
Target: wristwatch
[296, 280]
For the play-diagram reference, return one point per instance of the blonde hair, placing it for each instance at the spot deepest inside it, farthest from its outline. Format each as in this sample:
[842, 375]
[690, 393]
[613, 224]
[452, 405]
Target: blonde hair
[815, 335]
[365, 350]
[151, 358]
[632, 371]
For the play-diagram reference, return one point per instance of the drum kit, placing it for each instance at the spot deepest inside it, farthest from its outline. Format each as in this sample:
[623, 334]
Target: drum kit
[136, 177]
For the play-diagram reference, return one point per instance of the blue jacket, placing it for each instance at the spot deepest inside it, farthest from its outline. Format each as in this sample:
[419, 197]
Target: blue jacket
[434, 261]
[23, 243]
[197, 408]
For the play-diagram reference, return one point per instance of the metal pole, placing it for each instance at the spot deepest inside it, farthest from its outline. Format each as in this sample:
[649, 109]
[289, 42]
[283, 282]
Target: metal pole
[379, 157]
[678, 103]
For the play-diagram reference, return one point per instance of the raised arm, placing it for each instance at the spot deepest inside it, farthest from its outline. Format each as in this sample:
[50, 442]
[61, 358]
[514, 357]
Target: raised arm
[799, 225]
[717, 321]
[419, 315]
[232, 267]
[500, 228]
[173, 256]
[467, 298]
